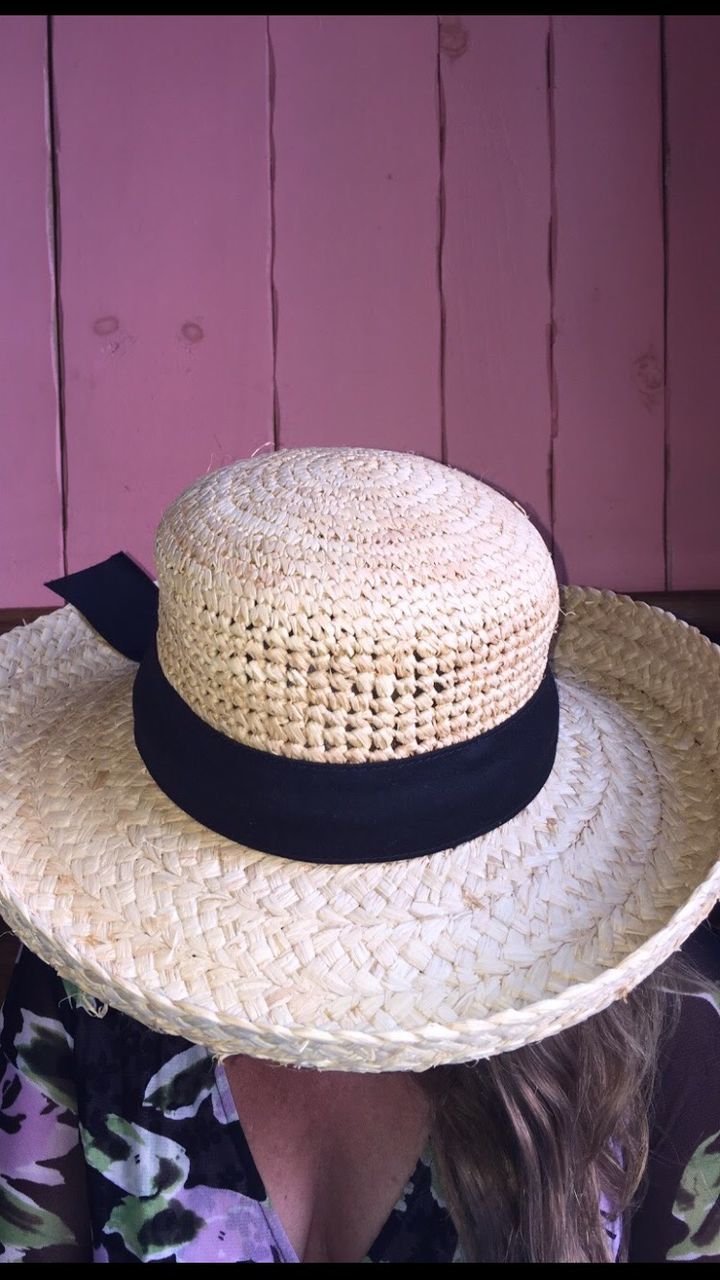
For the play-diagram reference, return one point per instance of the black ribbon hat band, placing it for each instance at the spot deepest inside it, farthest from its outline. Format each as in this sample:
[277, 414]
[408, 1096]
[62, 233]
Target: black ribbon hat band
[298, 809]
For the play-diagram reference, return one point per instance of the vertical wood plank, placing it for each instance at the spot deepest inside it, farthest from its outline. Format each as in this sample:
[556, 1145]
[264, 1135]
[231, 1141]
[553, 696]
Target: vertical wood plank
[164, 198]
[608, 301]
[495, 256]
[356, 218]
[692, 46]
[31, 505]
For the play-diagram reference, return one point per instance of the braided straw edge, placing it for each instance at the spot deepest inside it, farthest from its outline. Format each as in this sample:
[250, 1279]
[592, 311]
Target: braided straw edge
[464, 1041]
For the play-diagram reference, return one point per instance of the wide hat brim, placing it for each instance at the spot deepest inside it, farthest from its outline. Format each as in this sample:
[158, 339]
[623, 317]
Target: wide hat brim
[452, 957]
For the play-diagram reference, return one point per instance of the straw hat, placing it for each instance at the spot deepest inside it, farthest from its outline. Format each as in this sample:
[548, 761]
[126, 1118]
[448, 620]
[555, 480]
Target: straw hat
[350, 684]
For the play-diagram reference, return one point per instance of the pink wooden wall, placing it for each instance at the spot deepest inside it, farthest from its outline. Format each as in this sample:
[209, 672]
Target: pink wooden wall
[488, 239]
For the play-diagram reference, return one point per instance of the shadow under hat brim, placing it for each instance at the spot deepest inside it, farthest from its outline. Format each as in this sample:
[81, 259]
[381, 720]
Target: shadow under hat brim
[451, 957]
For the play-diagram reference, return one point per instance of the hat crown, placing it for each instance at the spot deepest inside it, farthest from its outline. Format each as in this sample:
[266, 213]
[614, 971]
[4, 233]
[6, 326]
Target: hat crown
[351, 605]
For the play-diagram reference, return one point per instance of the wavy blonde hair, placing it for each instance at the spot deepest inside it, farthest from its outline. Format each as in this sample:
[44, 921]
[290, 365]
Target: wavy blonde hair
[528, 1145]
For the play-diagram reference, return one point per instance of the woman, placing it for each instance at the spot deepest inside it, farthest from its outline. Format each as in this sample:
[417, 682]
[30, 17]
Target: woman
[344, 815]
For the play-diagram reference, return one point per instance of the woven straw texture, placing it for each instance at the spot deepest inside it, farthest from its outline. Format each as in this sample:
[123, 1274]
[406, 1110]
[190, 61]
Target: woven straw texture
[353, 605]
[348, 606]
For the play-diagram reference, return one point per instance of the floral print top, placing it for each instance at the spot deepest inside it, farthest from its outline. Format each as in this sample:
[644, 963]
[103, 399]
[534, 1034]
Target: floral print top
[122, 1144]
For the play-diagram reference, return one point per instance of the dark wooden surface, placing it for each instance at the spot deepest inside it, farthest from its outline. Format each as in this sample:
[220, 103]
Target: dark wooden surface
[701, 608]
[10, 618]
